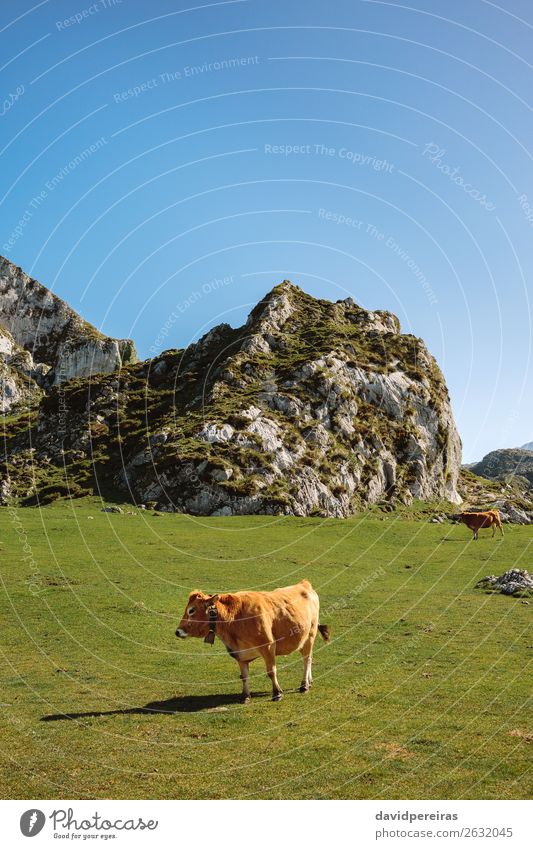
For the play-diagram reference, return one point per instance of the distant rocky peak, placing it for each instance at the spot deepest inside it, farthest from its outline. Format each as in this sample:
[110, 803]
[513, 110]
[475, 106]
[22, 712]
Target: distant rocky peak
[272, 311]
[52, 332]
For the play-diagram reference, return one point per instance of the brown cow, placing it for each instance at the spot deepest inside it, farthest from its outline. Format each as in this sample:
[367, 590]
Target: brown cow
[258, 624]
[476, 521]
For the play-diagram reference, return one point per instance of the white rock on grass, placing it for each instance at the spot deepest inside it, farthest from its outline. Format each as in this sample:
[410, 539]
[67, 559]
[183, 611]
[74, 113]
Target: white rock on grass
[512, 582]
[214, 433]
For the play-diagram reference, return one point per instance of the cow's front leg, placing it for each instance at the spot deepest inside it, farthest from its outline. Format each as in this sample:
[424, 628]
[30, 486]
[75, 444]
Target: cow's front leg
[269, 656]
[244, 667]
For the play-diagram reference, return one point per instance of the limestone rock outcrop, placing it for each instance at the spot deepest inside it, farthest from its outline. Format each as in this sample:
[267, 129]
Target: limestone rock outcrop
[310, 408]
[46, 341]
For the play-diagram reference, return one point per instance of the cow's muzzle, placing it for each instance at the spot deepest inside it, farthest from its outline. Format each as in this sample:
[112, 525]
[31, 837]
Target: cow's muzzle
[181, 633]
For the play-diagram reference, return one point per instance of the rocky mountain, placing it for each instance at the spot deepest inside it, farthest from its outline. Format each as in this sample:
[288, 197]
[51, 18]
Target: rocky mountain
[310, 408]
[17, 383]
[506, 463]
[510, 495]
[44, 342]
[502, 479]
[528, 446]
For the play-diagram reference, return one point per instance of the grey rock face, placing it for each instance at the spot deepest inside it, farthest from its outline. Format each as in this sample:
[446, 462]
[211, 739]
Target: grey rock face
[512, 582]
[512, 514]
[5, 491]
[212, 433]
[310, 408]
[19, 380]
[45, 326]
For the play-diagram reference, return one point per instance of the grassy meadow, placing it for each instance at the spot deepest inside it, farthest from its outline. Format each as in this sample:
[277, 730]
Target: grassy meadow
[424, 692]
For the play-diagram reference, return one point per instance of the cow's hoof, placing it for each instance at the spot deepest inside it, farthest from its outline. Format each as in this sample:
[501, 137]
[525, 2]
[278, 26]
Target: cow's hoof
[246, 699]
[304, 688]
[277, 697]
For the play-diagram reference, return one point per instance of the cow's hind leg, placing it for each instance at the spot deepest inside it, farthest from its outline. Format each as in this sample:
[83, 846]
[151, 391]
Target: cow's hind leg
[268, 654]
[244, 667]
[307, 654]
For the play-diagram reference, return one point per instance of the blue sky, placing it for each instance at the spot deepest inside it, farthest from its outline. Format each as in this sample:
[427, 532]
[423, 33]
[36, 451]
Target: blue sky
[164, 164]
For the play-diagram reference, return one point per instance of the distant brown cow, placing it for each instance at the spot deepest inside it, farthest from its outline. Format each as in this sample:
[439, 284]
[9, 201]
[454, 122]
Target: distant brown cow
[476, 521]
[258, 624]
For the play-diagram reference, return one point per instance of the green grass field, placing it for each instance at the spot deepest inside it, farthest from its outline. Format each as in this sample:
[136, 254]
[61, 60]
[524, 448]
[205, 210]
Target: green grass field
[424, 692]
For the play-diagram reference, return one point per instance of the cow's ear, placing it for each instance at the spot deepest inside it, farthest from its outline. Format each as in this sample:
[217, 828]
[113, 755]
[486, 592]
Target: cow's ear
[212, 599]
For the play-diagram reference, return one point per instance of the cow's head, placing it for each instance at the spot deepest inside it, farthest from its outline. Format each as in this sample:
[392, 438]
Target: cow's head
[195, 620]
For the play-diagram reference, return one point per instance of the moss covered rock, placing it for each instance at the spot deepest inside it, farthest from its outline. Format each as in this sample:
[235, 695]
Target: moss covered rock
[310, 408]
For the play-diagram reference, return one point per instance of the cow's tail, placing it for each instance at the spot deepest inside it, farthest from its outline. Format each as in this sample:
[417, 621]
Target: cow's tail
[325, 632]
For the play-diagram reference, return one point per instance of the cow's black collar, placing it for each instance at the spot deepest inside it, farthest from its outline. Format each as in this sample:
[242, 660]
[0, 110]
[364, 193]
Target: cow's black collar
[210, 636]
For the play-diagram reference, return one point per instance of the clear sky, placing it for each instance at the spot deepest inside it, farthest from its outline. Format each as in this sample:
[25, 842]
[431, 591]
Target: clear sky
[164, 164]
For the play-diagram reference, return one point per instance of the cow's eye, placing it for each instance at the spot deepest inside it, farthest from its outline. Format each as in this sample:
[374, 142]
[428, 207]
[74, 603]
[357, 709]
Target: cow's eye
[190, 611]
